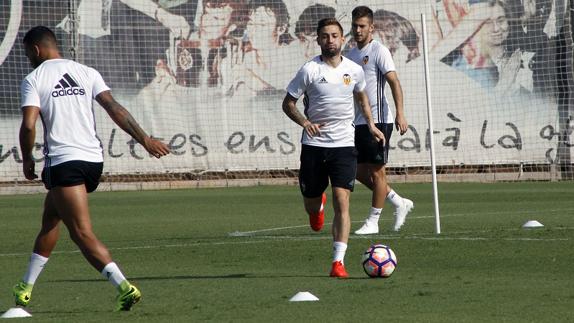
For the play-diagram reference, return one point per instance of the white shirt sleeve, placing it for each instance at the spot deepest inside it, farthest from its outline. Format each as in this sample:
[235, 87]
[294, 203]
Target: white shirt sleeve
[385, 61]
[299, 83]
[99, 85]
[29, 94]
[361, 83]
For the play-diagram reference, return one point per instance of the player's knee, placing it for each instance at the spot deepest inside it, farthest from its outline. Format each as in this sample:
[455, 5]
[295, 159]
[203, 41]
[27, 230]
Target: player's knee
[378, 178]
[312, 208]
[312, 205]
[82, 237]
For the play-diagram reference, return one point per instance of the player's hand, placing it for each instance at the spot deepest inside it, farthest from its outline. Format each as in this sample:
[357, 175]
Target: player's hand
[312, 129]
[401, 124]
[28, 166]
[379, 136]
[155, 147]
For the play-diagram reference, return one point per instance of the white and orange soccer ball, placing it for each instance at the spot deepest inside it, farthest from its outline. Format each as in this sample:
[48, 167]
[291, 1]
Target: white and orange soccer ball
[379, 261]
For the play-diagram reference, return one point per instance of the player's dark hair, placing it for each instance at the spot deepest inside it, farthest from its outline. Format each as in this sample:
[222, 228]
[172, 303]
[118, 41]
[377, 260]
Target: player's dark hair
[328, 22]
[40, 35]
[362, 11]
[306, 23]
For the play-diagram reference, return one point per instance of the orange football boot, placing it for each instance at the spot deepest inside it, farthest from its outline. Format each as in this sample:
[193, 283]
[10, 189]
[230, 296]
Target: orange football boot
[317, 220]
[338, 270]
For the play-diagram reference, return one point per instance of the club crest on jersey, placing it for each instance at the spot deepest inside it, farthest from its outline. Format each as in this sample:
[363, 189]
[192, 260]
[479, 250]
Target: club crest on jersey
[347, 79]
[365, 60]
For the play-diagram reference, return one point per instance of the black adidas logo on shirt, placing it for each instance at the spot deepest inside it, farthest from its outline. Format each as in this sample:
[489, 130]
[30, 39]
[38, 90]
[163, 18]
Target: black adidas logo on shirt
[323, 80]
[67, 86]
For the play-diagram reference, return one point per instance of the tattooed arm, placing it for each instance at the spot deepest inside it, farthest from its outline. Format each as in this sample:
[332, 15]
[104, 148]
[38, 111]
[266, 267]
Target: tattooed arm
[125, 120]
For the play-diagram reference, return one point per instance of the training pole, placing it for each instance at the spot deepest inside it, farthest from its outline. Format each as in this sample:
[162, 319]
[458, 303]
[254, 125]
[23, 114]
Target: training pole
[430, 124]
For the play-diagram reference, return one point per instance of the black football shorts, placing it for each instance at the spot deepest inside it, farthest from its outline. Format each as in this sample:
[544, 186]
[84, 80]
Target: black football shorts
[369, 150]
[321, 164]
[72, 173]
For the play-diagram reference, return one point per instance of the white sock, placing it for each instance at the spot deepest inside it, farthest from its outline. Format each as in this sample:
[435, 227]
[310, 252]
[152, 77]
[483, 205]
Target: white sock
[339, 249]
[374, 215]
[35, 267]
[395, 198]
[113, 273]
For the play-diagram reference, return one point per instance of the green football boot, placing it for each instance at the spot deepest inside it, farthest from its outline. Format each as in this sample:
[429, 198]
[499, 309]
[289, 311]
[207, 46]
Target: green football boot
[129, 295]
[22, 293]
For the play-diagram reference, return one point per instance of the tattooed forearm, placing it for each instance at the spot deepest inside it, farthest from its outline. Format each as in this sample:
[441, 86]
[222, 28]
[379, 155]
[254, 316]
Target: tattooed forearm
[122, 117]
[290, 109]
[130, 125]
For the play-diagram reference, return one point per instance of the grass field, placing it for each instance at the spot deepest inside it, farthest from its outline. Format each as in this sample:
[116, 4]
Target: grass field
[239, 254]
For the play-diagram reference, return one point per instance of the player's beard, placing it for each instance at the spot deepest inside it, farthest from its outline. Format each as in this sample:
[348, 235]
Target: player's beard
[35, 62]
[326, 52]
[361, 41]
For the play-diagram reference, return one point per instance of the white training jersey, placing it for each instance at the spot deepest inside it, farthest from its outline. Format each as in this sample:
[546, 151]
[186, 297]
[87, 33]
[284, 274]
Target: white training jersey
[64, 91]
[376, 60]
[329, 100]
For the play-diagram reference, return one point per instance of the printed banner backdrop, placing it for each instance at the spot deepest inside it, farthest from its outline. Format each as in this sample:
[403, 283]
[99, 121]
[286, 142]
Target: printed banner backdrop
[208, 77]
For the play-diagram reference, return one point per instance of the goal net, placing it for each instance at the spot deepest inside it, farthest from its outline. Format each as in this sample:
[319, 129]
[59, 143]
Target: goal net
[208, 78]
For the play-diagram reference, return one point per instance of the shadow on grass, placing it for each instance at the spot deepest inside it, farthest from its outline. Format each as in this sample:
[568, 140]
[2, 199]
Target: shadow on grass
[80, 312]
[186, 277]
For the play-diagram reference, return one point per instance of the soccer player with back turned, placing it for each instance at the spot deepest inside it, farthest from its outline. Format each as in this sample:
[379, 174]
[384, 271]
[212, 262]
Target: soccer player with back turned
[329, 82]
[376, 61]
[61, 92]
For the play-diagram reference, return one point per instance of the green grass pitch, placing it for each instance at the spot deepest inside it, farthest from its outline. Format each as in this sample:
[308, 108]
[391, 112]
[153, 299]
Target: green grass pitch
[239, 254]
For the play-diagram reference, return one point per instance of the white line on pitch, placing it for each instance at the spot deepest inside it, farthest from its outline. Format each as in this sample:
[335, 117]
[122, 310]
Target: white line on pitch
[265, 239]
[253, 232]
[397, 237]
[250, 233]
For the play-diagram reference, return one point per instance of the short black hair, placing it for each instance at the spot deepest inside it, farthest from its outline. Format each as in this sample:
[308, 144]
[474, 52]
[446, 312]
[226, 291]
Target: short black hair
[40, 34]
[362, 11]
[328, 22]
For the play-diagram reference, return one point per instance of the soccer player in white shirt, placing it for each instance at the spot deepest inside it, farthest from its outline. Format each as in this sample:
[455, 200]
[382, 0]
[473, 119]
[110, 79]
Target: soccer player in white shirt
[329, 83]
[379, 68]
[62, 93]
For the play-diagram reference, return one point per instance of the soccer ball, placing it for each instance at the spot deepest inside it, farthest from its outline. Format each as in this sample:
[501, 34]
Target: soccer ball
[379, 261]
